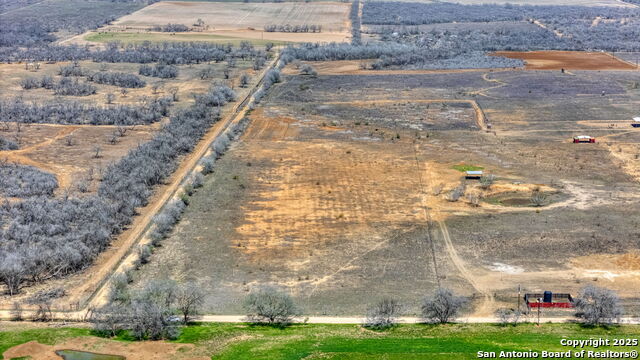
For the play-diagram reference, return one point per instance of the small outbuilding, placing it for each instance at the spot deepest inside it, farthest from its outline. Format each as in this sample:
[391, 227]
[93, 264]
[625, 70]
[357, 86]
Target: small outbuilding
[548, 299]
[583, 139]
[636, 122]
[473, 174]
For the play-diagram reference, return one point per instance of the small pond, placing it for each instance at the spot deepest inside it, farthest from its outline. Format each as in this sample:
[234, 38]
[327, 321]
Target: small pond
[523, 199]
[84, 355]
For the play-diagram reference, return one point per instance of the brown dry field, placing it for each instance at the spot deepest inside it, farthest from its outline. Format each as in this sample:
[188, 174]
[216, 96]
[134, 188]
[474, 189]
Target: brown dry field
[335, 193]
[568, 60]
[245, 20]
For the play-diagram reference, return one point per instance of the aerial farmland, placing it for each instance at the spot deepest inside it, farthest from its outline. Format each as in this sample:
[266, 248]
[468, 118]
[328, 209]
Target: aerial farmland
[319, 168]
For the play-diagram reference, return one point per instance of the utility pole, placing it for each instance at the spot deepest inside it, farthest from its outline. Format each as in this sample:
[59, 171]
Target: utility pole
[519, 289]
[539, 306]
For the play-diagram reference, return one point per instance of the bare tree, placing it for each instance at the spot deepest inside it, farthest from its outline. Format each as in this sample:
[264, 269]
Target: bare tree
[189, 299]
[383, 314]
[244, 80]
[12, 270]
[308, 70]
[109, 98]
[96, 152]
[16, 312]
[268, 305]
[598, 306]
[442, 307]
[455, 194]
[68, 140]
[174, 93]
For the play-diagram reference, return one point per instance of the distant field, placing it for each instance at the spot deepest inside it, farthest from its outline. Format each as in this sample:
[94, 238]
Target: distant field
[333, 16]
[229, 22]
[135, 37]
[530, 2]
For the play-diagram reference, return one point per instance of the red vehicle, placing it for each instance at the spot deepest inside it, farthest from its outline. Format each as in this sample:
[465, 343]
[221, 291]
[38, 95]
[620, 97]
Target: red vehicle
[583, 139]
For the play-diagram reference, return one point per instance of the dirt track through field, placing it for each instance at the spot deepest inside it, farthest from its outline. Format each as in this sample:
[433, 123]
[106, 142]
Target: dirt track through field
[116, 264]
[20, 157]
[487, 307]
[481, 120]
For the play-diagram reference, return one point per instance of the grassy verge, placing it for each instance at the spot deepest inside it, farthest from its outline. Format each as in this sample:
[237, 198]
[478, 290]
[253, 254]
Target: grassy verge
[136, 38]
[459, 341]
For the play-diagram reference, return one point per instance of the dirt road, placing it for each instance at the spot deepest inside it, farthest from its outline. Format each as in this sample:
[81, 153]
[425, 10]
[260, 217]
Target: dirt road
[122, 259]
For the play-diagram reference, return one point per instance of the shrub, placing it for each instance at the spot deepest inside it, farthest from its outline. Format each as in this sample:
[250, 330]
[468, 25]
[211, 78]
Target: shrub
[487, 180]
[268, 305]
[383, 314]
[538, 198]
[6, 144]
[442, 307]
[118, 79]
[508, 316]
[160, 71]
[308, 70]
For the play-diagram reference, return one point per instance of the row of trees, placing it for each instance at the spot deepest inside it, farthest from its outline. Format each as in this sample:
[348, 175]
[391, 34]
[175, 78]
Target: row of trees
[162, 71]
[354, 15]
[65, 86]
[150, 313]
[293, 28]
[120, 79]
[171, 28]
[50, 237]
[618, 33]
[35, 25]
[72, 112]
[400, 55]
[171, 53]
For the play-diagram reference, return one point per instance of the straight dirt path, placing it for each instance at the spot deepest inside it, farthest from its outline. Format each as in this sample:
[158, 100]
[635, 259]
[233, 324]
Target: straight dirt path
[144, 221]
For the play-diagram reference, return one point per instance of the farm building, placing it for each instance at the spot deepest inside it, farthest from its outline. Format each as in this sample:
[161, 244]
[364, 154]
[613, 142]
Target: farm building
[549, 300]
[473, 174]
[636, 122]
[583, 139]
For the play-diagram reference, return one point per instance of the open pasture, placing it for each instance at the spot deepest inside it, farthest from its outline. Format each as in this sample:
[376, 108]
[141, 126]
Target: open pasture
[236, 20]
[336, 195]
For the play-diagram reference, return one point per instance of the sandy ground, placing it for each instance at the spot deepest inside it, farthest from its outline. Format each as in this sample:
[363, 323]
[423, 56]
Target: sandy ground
[45, 147]
[568, 60]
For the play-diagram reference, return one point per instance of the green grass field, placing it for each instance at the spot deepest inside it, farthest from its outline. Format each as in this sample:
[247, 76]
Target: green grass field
[453, 341]
[136, 38]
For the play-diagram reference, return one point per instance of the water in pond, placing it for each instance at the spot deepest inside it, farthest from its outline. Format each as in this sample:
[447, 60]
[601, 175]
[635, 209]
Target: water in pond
[84, 355]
